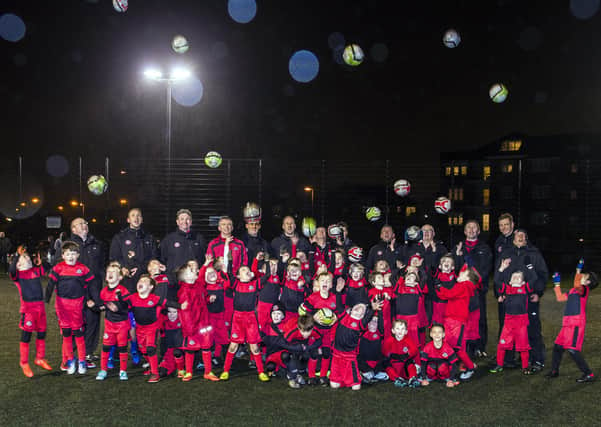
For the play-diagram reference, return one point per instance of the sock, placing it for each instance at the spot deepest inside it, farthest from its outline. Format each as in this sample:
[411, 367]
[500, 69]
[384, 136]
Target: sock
[40, 348]
[154, 364]
[134, 346]
[465, 359]
[123, 360]
[80, 342]
[259, 361]
[325, 366]
[229, 358]
[524, 356]
[580, 362]
[218, 351]
[24, 351]
[67, 348]
[104, 360]
[189, 362]
[206, 359]
[557, 355]
[179, 363]
[311, 367]
[501, 357]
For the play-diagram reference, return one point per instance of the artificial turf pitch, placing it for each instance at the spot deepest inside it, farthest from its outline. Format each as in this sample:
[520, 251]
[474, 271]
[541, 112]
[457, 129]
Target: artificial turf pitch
[507, 398]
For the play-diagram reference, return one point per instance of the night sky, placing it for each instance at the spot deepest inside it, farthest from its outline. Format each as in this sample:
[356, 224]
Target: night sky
[74, 83]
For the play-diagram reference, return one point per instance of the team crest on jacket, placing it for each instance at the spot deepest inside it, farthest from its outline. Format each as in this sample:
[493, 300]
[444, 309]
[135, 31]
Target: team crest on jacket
[300, 285]
[380, 252]
[500, 249]
[405, 350]
[179, 325]
[79, 271]
[502, 341]
[444, 354]
[177, 244]
[128, 242]
[105, 336]
[234, 335]
[354, 324]
[235, 248]
[375, 336]
[150, 303]
[28, 323]
[191, 342]
[251, 288]
[333, 305]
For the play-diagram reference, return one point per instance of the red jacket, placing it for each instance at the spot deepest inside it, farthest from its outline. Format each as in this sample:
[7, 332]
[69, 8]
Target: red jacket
[196, 315]
[458, 298]
[237, 252]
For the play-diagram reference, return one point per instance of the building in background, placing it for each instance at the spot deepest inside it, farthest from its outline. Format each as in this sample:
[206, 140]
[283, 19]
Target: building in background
[551, 185]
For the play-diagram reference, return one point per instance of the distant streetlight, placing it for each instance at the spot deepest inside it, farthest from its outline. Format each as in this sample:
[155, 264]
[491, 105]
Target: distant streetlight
[310, 189]
[123, 202]
[176, 75]
[60, 208]
[35, 200]
[74, 203]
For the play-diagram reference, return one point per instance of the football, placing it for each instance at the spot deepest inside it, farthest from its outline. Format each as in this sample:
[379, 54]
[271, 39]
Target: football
[498, 93]
[97, 184]
[402, 187]
[451, 38]
[213, 159]
[442, 205]
[353, 55]
[179, 44]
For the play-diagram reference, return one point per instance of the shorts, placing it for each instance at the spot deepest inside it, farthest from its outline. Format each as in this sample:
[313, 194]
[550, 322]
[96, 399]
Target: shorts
[33, 317]
[401, 369]
[69, 313]
[264, 314]
[276, 358]
[571, 337]
[472, 328]
[245, 328]
[115, 333]
[344, 370]
[147, 336]
[514, 334]
[228, 305]
[220, 332]
[201, 341]
[327, 337]
[438, 371]
[454, 333]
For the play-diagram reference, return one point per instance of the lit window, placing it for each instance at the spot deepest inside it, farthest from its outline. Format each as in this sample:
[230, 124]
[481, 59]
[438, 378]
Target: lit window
[447, 170]
[485, 222]
[507, 167]
[461, 219]
[460, 194]
[485, 172]
[409, 210]
[573, 195]
[463, 170]
[574, 168]
[511, 145]
[450, 221]
[455, 220]
[456, 170]
[451, 194]
[486, 197]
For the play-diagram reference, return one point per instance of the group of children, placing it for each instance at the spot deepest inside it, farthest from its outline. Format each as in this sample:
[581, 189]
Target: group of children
[313, 322]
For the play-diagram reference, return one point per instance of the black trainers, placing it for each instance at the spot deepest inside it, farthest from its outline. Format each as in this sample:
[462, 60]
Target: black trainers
[552, 374]
[586, 378]
[536, 367]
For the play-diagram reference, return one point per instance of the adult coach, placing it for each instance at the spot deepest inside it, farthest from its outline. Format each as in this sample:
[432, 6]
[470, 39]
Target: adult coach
[476, 253]
[182, 245]
[91, 254]
[386, 249]
[503, 242]
[522, 256]
[225, 245]
[289, 241]
[133, 248]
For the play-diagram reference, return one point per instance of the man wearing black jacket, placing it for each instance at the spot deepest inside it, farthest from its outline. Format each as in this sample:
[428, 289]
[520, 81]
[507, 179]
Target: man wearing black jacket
[253, 241]
[476, 253]
[133, 248]
[182, 245]
[289, 241]
[387, 249]
[524, 257]
[92, 256]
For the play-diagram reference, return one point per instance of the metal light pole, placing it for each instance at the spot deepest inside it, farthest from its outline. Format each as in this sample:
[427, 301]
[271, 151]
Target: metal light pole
[176, 75]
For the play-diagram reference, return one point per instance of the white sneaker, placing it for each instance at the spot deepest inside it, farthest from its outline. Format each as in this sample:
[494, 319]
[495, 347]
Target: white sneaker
[101, 376]
[83, 367]
[71, 366]
[467, 374]
[381, 376]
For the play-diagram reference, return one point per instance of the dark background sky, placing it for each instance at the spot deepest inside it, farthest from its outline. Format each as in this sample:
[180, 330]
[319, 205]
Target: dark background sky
[74, 84]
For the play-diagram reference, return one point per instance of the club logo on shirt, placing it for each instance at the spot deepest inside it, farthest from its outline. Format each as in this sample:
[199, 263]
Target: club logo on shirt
[445, 354]
[235, 248]
[405, 350]
[105, 336]
[500, 249]
[195, 243]
[333, 305]
[300, 285]
[177, 244]
[234, 335]
[128, 242]
[28, 323]
[380, 253]
[179, 325]
[502, 341]
[251, 288]
[376, 336]
[354, 324]
[191, 342]
[227, 323]
[79, 271]
[150, 303]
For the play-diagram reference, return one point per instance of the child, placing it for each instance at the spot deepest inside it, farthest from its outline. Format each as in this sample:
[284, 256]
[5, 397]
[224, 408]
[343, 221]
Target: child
[456, 314]
[164, 288]
[446, 277]
[338, 268]
[438, 360]
[214, 283]
[515, 297]
[272, 335]
[245, 327]
[173, 360]
[571, 335]
[401, 355]
[293, 290]
[344, 369]
[408, 296]
[71, 279]
[196, 329]
[384, 294]
[116, 322]
[146, 307]
[316, 301]
[370, 352]
[270, 293]
[356, 286]
[27, 278]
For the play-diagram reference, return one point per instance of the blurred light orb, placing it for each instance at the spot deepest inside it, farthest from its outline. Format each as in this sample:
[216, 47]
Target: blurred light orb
[337, 55]
[57, 166]
[584, 9]
[188, 92]
[179, 44]
[353, 55]
[498, 93]
[303, 66]
[336, 40]
[242, 11]
[120, 5]
[379, 52]
[451, 38]
[12, 28]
